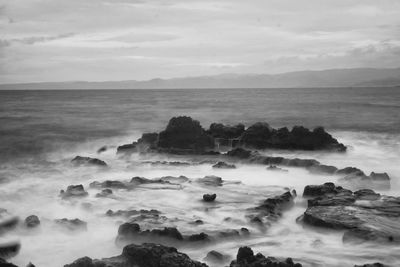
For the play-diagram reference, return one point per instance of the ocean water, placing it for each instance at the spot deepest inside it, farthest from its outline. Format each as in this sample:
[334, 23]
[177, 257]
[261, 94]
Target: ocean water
[41, 131]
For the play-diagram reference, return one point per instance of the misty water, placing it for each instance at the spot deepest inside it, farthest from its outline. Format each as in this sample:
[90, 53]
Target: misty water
[41, 131]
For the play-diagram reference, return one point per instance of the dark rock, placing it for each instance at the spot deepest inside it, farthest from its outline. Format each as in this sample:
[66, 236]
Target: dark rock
[32, 221]
[128, 148]
[209, 197]
[8, 250]
[172, 179]
[131, 231]
[129, 213]
[365, 214]
[198, 237]
[141, 180]
[78, 161]
[105, 193]
[273, 207]
[144, 255]
[321, 190]
[239, 153]
[74, 191]
[223, 165]
[218, 130]
[246, 258]
[4, 263]
[109, 184]
[72, 224]
[102, 149]
[257, 135]
[351, 170]
[148, 141]
[170, 163]
[322, 169]
[30, 265]
[376, 264]
[186, 134]
[302, 162]
[211, 180]
[197, 222]
[216, 257]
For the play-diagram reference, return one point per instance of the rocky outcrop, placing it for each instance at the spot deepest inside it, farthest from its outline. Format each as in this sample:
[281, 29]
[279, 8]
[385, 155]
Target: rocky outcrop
[186, 135]
[246, 258]
[144, 255]
[364, 214]
[209, 197]
[223, 165]
[71, 224]
[80, 161]
[218, 130]
[74, 191]
[32, 221]
[271, 208]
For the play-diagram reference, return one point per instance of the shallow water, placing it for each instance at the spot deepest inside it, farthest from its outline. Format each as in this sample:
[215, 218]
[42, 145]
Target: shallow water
[47, 132]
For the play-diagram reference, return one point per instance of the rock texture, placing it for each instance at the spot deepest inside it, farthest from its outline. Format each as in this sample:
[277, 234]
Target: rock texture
[79, 161]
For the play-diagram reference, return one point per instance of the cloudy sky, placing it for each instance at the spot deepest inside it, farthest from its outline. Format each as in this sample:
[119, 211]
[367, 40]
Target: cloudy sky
[95, 40]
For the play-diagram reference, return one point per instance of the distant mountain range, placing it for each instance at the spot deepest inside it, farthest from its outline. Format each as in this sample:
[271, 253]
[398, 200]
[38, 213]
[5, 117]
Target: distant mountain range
[359, 77]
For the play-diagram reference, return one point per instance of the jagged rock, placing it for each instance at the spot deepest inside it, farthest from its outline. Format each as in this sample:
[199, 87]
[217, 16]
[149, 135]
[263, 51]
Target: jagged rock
[78, 161]
[209, 197]
[32, 221]
[184, 133]
[211, 180]
[72, 224]
[246, 258]
[218, 130]
[322, 190]
[128, 148]
[74, 191]
[216, 257]
[364, 214]
[240, 153]
[105, 193]
[144, 255]
[223, 165]
[148, 141]
[8, 250]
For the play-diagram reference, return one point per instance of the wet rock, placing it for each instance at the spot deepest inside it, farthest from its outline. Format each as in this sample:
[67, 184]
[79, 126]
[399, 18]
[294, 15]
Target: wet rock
[240, 153]
[131, 231]
[105, 193]
[223, 165]
[322, 190]
[102, 149]
[218, 130]
[216, 257]
[74, 191]
[364, 214]
[246, 258]
[198, 237]
[9, 250]
[210, 180]
[144, 255]
[32, 221]
[376, 264]
[127, 149]
[272, 208]
[110, 184]
[148, 141]
[184, 133]
[71, 224]
[351, 170]
[209, 197]
[79, 161]
[322, 169]
[4, 263]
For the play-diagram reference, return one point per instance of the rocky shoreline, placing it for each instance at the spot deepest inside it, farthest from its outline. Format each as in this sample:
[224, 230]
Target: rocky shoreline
[354, 207]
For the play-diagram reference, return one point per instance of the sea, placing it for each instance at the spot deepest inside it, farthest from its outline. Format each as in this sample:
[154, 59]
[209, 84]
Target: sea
[42, 130]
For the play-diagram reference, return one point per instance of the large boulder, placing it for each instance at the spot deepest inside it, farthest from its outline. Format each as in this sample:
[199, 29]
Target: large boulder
[364, 214]
[246, 258]
[144, 255]
[184, 133]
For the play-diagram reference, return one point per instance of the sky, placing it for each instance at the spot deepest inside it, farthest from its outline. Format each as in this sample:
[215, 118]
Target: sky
[98, 40]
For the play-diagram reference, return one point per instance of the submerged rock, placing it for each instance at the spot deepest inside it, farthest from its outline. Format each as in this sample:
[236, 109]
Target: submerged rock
[223, 165]
[105, 193]
[209, 197]
[246, 258]
[110, 184]
[144, 255]
[79, 161]
[74, 191]
[71, 224]
[365, 214]
[32, 221]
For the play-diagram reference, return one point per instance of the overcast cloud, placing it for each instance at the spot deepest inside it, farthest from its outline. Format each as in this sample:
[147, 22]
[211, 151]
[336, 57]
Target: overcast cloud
[95, 40]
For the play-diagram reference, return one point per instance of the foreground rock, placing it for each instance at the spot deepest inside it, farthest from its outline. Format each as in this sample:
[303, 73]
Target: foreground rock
[246, 258]
[80, 161]
[8, 250]
[364, 214]
[144, 255]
